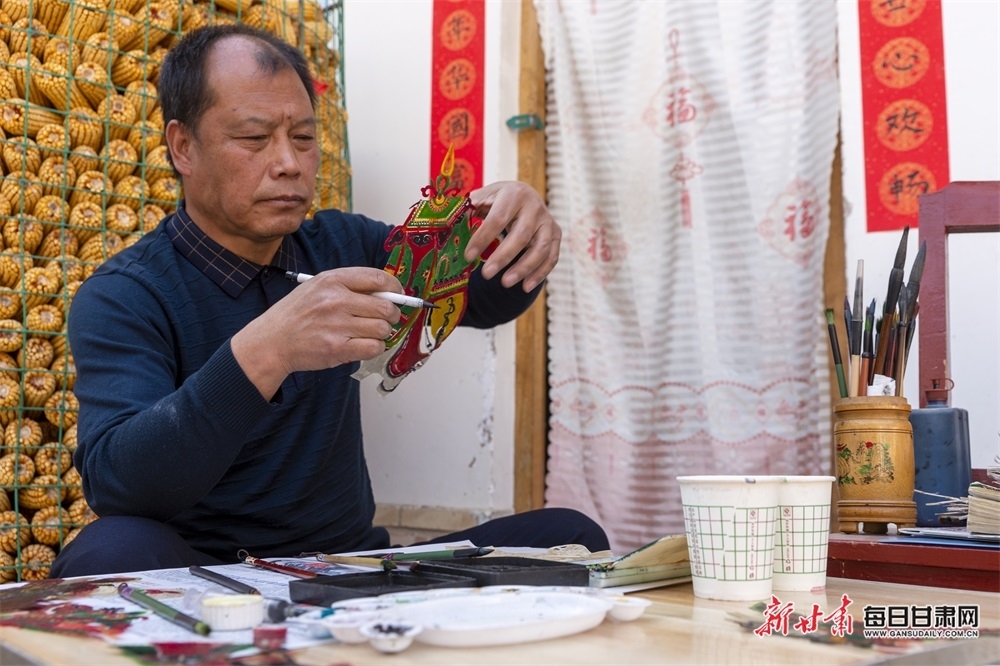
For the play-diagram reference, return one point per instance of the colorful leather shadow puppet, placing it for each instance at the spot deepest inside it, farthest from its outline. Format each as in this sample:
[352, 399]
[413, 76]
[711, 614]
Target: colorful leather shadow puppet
[427, 255]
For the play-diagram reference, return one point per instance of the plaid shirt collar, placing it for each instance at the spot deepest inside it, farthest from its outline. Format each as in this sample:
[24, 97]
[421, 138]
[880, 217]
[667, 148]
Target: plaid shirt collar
[231, 272]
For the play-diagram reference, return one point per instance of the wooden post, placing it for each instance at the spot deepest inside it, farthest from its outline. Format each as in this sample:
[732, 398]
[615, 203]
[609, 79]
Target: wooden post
[531, 357]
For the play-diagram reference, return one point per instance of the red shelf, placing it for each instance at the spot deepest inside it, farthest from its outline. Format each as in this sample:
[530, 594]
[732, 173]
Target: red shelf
[865, 557]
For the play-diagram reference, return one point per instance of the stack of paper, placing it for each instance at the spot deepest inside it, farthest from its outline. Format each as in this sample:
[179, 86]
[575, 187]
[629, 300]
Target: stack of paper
[984, 509]
[663, 559]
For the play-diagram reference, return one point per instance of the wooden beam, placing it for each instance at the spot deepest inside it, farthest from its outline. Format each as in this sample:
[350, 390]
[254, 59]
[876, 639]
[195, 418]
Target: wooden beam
[531, 356]
[835, 275]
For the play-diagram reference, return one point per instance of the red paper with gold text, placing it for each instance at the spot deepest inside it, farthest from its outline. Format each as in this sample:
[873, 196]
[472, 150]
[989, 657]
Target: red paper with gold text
[904, 107]
[459, 50]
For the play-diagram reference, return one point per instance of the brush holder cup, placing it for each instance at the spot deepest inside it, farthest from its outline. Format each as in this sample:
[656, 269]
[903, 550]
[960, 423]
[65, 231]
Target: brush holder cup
[874, 441]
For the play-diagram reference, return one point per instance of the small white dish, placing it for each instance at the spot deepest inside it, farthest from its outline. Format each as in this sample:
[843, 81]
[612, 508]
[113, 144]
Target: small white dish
[390, 636]
[626, 609]
[346, 627]
[313, 623]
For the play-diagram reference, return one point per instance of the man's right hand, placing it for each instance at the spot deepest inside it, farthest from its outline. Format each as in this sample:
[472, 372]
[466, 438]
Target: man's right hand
[326, 321]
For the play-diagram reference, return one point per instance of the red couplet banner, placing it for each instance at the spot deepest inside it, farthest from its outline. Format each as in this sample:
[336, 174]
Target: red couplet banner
[459, 50]
[904, 107]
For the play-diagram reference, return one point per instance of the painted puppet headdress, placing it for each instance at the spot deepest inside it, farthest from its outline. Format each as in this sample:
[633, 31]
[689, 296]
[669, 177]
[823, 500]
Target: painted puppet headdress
[427, 255]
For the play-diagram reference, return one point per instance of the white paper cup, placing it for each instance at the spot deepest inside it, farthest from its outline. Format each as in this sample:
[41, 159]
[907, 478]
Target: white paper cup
[803, 532]
[730, 523]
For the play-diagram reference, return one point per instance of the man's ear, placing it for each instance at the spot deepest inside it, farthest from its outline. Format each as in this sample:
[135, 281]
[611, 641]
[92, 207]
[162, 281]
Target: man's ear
[179, 143]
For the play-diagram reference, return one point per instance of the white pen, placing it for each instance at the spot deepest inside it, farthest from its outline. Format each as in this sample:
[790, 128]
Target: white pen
[391, 296]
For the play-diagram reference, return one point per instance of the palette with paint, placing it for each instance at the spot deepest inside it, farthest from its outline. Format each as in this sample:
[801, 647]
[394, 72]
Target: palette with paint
[325, 590]
[510, 571]
[491, 615]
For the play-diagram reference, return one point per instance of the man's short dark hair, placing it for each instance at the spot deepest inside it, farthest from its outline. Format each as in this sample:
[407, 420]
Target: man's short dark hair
[183, 90]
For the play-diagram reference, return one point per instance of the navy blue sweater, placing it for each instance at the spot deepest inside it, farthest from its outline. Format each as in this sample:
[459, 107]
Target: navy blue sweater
[171, 428]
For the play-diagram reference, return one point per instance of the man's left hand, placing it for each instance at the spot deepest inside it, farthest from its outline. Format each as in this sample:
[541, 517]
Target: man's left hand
[517, 209]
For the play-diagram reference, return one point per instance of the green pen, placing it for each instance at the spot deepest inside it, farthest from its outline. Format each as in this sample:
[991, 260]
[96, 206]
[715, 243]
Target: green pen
[387, 560]
[450, 554]
[140, 598]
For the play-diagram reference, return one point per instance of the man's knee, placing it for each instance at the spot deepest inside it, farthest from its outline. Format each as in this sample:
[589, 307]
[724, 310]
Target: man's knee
[118, 544]
[580, 528]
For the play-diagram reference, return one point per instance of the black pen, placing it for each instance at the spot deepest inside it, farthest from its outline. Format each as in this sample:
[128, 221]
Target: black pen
[224, 581]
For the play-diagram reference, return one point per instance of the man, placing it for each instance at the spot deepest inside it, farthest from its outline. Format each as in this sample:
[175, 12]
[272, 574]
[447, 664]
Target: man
[217, 411]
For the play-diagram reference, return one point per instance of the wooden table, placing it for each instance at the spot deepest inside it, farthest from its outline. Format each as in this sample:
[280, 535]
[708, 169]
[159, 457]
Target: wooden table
[676, 628]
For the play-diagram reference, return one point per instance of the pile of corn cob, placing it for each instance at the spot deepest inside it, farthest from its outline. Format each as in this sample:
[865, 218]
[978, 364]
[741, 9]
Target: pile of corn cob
[83, 174]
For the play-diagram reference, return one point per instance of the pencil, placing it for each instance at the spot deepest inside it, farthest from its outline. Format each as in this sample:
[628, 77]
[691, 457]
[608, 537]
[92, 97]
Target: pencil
[391, 296]
[140, 598]
[224, 581]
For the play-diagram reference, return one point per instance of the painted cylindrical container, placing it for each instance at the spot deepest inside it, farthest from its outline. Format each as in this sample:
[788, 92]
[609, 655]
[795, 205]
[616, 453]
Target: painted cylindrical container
[874, 449]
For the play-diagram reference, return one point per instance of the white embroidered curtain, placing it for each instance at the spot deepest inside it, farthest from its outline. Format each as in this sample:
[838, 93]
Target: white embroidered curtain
[690, 149]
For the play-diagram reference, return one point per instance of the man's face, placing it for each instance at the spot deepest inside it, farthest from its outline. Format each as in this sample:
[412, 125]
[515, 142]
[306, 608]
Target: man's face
[249, 170]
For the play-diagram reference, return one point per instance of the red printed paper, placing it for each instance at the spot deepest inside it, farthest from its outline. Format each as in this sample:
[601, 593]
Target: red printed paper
[904, 108]
[459, 51]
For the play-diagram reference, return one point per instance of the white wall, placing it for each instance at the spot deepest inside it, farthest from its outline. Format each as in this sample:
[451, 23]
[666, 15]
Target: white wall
[972, 79]
[444, 437]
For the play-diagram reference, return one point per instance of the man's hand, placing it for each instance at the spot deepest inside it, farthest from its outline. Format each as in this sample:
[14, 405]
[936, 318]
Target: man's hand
[326, 321]
[517, 209]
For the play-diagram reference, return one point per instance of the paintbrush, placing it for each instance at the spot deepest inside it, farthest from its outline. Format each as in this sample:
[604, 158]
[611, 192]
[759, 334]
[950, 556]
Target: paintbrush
[247, 558]
[895, 282]
[904, 323]
[913, 290]
[847, 329]
[867, 353]
[358, 561]
[890, 348]
[838, 363]
[857, 321]
[910, 330]
[913, 284]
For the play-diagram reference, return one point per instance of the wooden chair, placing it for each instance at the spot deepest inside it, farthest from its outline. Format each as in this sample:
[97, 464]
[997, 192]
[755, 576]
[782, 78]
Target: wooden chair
[958, 208]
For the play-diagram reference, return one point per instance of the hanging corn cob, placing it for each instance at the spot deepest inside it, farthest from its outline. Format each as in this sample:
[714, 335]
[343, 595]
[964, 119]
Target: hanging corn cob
[83, 174]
